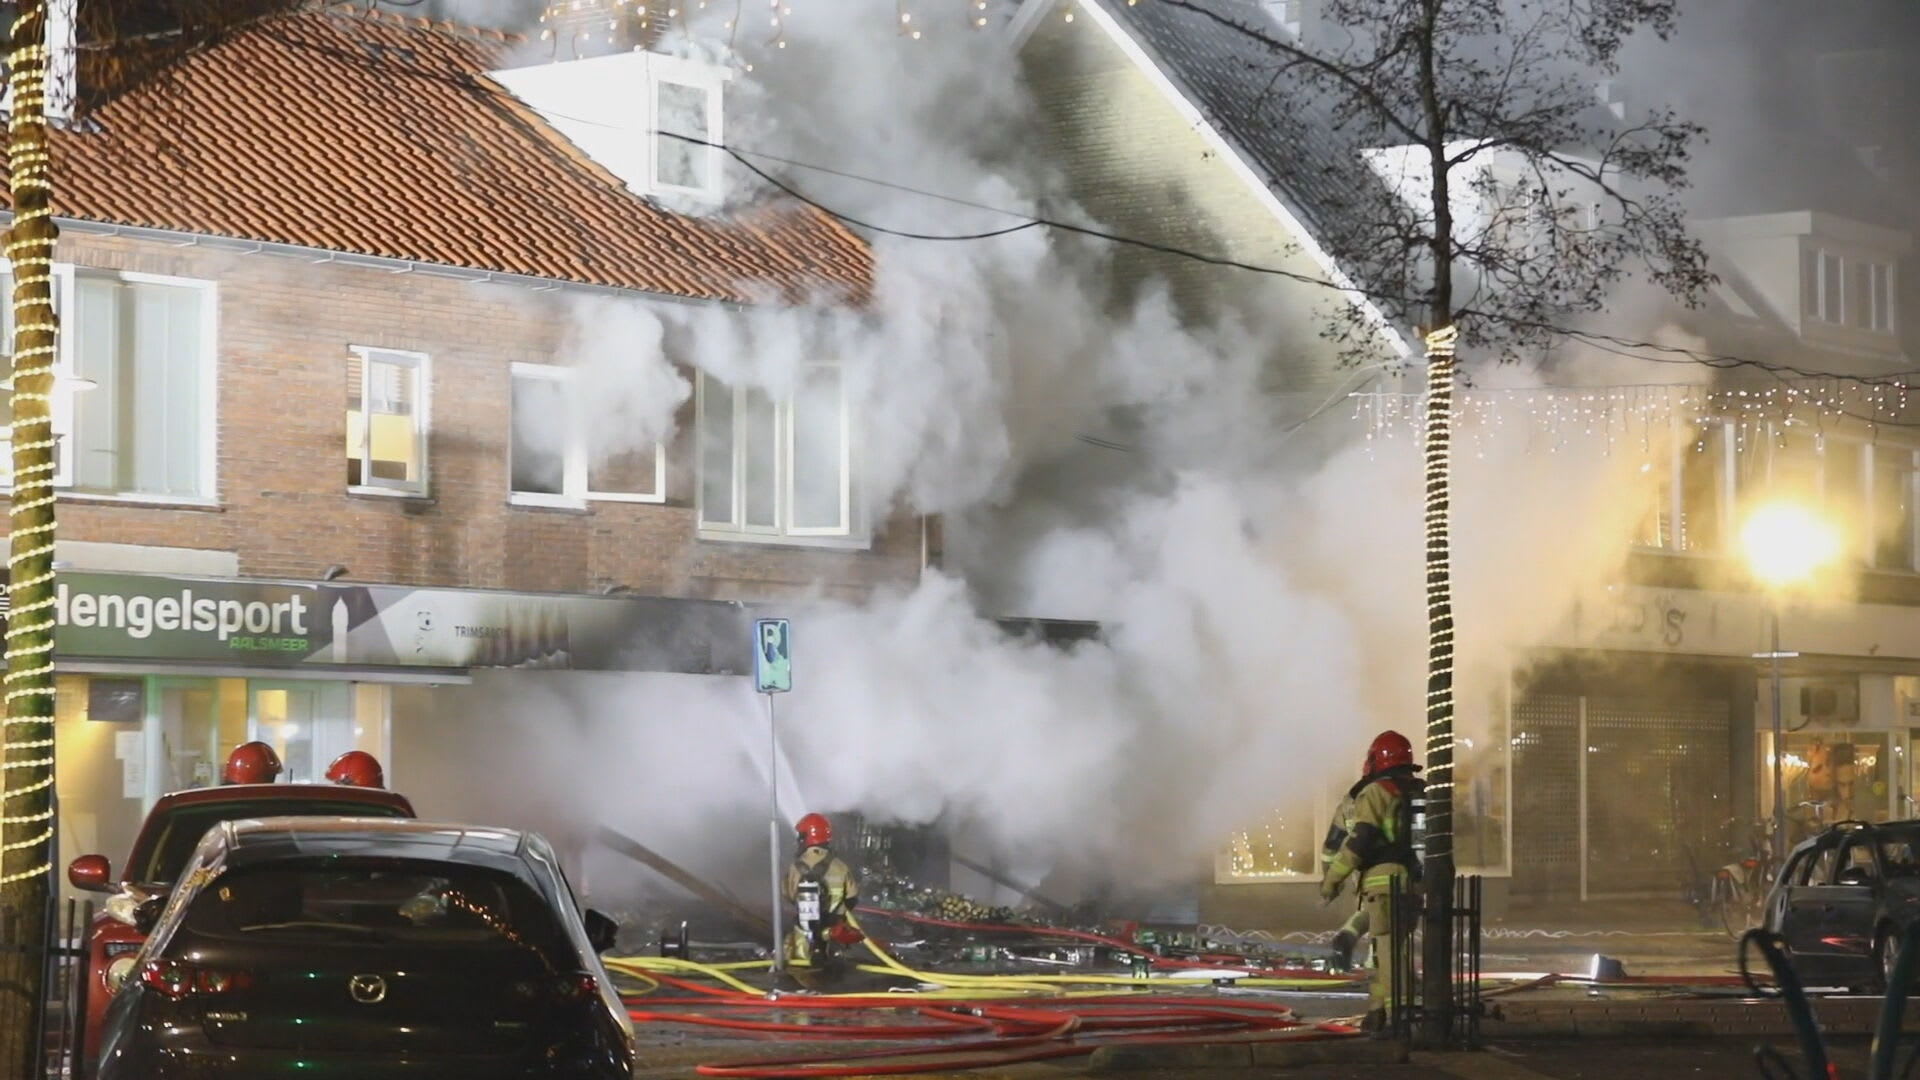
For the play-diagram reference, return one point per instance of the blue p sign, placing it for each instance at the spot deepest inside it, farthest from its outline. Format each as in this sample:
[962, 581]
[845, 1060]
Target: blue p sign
[772, 656]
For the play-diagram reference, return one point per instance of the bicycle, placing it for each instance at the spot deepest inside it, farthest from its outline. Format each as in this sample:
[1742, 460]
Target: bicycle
[1737, 894]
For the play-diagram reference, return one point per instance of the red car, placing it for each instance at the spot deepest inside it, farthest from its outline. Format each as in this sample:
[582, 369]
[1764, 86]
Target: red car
[172, 830]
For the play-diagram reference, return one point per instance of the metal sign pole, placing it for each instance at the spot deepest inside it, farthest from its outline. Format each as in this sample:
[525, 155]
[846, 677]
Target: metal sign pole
[773, 674]
[773, 832]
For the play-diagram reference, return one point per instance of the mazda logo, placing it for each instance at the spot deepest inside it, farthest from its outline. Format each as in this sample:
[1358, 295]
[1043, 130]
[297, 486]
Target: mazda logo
[367, 989]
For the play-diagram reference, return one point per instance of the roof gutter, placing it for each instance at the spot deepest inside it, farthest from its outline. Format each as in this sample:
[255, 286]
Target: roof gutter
[174, 238]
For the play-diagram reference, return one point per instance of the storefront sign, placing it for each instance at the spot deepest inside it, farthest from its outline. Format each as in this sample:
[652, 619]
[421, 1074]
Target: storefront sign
[1709, 623]
[289, 625]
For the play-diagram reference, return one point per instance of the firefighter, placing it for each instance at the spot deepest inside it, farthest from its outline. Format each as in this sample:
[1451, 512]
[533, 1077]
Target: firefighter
[823, 890]
[1379, 849]
[356, 768]
[251, 763]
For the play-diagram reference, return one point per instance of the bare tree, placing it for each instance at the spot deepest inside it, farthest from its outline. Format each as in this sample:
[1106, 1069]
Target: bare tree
[120, 44]
[1481, 189]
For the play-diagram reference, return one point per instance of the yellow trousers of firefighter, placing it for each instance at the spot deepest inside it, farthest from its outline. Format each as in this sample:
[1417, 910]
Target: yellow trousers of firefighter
[1376, 911]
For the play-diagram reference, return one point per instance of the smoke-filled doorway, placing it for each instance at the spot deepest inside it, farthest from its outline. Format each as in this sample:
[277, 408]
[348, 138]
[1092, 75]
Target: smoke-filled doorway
[1618, 796]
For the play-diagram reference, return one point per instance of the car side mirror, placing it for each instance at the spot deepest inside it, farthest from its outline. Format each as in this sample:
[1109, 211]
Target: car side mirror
[601, 931]
[90, 873]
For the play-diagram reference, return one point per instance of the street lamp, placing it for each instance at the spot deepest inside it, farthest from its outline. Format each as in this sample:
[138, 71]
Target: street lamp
[1785, 544]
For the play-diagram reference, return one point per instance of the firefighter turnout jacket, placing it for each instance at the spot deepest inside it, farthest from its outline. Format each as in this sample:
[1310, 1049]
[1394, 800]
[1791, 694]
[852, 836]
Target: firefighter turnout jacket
[1381, 834]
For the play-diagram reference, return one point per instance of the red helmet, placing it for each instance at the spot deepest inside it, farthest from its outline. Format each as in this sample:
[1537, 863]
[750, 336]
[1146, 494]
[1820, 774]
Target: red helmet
[815, 830]
[251, 763]
[356, 768]
[1389, 749]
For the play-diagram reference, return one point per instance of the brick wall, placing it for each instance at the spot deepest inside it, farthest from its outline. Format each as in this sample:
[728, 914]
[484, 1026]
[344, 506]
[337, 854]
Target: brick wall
[1134, 162]
[285, 325]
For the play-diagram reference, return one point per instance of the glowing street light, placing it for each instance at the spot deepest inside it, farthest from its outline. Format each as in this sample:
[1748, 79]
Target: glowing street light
[1786, 544]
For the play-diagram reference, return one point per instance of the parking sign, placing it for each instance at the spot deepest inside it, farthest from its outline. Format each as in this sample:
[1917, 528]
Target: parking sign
[772, 656]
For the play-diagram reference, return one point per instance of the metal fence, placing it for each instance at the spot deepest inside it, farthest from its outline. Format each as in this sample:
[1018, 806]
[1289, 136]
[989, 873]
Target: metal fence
[58, 1027]
[1406, 1005]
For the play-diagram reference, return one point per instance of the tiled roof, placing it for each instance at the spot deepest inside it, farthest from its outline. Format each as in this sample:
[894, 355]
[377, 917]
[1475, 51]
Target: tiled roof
[1288, 138]
[380, 135]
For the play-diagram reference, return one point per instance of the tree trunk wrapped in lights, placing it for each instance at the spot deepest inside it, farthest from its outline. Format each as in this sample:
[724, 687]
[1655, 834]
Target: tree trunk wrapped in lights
[26, 789]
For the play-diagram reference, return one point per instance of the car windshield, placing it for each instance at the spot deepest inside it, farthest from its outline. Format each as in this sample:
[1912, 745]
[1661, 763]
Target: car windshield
[409, 903]
[1901, 850]
[181, 831]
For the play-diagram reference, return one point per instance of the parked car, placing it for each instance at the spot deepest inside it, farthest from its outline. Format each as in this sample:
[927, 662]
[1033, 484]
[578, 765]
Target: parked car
[165, 841]
[370, 948]
[1845, 901]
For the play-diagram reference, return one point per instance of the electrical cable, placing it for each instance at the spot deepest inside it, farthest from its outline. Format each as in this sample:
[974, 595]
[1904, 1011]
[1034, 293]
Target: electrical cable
[1679, 354]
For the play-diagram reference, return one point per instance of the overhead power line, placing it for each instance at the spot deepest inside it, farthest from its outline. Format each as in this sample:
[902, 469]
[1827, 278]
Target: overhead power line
[1619, 345]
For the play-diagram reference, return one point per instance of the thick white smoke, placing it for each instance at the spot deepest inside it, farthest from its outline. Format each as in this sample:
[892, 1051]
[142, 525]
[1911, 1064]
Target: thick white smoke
[1262, 588]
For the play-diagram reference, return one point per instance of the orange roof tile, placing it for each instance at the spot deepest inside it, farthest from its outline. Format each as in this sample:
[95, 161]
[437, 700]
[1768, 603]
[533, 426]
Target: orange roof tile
[381, 135]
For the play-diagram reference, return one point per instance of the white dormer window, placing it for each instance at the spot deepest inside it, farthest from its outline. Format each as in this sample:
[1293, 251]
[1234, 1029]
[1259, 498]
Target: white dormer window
[653, 121]
[1288, 13]
[1849, 291]
[684, 97]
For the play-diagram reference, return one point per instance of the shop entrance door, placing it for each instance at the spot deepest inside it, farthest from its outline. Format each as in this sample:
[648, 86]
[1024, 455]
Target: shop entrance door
[186, 717]
[307, 724]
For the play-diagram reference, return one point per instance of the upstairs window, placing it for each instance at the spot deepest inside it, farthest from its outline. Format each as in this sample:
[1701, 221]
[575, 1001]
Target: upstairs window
[1892, 507]
[386, 421]
[559, 457]
[147, 427]
[1848, 291]
[777, 468]
[686, 97]
[1880, 298]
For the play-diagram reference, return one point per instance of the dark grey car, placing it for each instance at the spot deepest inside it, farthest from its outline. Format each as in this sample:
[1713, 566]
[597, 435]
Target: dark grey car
[1845, 899]
[373, 949]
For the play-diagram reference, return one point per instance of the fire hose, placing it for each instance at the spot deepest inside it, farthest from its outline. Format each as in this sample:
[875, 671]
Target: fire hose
[970, 1022]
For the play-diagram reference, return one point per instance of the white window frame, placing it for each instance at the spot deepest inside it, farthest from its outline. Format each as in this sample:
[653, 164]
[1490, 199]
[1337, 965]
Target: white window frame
[422, 425]
[852, 531]
[1880, 297]
[1837, 316]
[707, 77]
[65, 279]
[575, 455]
[1875, 451]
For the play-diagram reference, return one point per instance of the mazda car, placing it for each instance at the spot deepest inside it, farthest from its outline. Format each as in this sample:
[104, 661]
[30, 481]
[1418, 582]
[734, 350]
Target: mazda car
[165, 841]
[370, 948]
[1846, 899]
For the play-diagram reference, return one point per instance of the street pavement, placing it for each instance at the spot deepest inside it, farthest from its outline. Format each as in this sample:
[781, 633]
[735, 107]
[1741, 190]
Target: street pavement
[1575, 1059]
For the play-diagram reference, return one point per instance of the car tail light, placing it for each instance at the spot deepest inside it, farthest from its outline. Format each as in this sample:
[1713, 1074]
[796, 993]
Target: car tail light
[576, 987]
[1749, 863]
[178, 979]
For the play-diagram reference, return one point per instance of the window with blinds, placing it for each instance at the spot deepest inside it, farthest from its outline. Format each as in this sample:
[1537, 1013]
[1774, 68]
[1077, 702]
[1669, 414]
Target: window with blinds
[386, 421]
[146, 426]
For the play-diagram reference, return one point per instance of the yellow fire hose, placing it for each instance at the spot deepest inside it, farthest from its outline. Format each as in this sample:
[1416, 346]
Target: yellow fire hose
[952, 985]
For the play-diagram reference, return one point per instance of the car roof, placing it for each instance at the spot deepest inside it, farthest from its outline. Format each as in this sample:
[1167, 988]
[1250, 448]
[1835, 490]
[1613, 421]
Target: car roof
[1835, 832]
[325, 792]
[258, 840]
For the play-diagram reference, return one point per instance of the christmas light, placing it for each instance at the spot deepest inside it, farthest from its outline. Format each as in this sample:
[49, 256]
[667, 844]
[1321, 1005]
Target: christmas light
[28, 738]
[1440, 629]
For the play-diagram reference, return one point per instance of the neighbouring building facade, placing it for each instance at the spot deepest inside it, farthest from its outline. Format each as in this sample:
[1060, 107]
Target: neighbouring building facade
[1632, 742]
[324, 454]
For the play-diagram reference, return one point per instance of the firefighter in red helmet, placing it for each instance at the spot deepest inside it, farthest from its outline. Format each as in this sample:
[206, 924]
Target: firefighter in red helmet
[356, 768]
[1379, 848]
[822, 889]
[251, 763]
